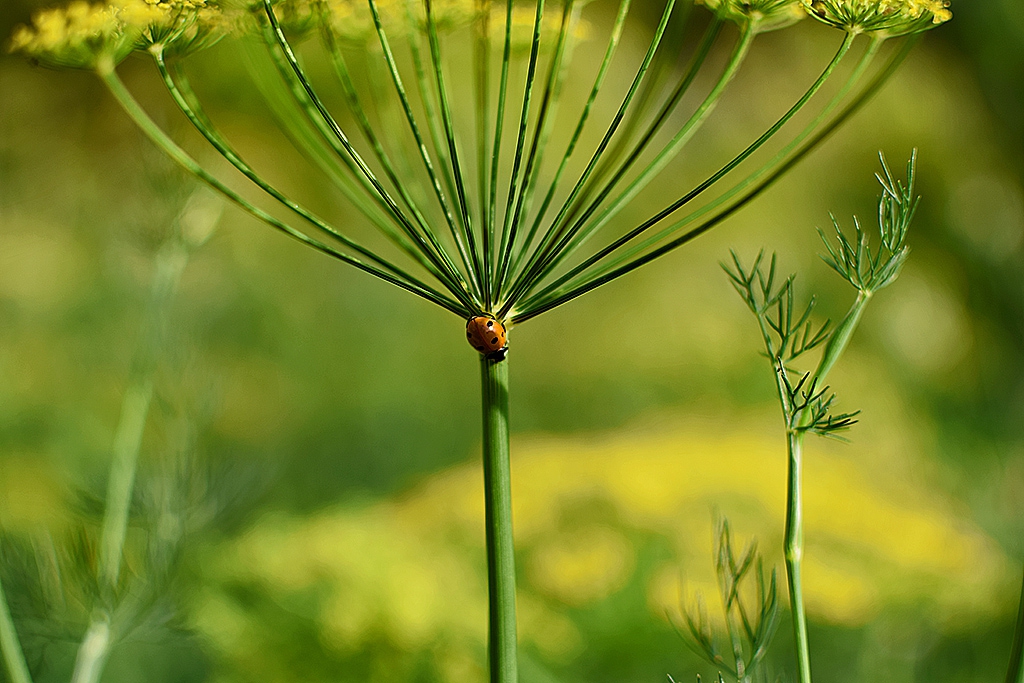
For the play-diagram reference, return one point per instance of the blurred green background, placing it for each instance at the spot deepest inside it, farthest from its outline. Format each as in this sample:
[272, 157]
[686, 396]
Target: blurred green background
[312, 450]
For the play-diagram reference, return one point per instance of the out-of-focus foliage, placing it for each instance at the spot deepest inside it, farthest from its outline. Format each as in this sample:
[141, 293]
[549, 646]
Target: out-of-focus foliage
[613, 530]
[340, 417]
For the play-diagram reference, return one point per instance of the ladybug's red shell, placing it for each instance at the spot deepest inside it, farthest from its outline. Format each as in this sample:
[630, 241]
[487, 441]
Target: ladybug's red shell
[485, 334]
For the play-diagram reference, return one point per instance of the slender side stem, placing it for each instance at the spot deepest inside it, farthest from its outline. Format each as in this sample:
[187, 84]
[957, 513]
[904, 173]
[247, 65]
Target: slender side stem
[300, 122]
[740, 51]
[127, 442]
[181, 91]
[95, 646]
[427, 241]
[92, 654]
[449, 130]
[531, 271]
[482, 69]
[170, 148]
[508, 227]
[675, 145]
[501, 567]
[613, 42]
[10, 647]
[537, 305]
[841, 337]
[794, 549]
[1015, 672]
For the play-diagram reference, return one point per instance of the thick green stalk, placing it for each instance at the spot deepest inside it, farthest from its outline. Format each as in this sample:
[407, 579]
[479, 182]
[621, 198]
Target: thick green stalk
[1015, 672]
[10, 647]
[794, 550]
[501, 564]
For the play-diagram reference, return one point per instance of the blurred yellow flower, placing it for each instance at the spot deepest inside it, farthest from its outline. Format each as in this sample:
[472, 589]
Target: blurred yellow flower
[885, 17]
[409, 571]
[88, 36]
[762, 15]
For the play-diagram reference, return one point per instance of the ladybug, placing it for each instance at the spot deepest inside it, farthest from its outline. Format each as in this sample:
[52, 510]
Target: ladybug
[487, 335]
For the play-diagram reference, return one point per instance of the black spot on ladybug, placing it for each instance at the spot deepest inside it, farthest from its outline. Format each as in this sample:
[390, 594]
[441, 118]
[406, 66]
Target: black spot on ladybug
[494, 340]
[490, 323]
[469, 335]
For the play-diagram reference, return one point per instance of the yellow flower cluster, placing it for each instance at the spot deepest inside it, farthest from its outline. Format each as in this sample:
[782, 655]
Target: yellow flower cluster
[763, 15]
[352, 20]
[885, 17]
[405, 572]
[523, 20]
[85, 36]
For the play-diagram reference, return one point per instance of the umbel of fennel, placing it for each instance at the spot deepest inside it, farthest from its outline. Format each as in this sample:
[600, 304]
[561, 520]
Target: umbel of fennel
[492, 216]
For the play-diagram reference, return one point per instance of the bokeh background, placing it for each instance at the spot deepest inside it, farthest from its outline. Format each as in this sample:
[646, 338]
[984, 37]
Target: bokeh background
[309, 502]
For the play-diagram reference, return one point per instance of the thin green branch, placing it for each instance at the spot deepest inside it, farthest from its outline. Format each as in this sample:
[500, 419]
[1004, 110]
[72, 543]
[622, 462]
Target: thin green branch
[10, 646]
[531, 269]
[431, 114]
[666, 62]
[403, 96]
[180, 90]
[427, 242]
[714, 178]
[499, 124]
[580, 231]
[508, 226]
[482, 82]
[855, 77]
[545, 120]
[449, 131]
[538, 305]
[613, 42]
[303, 125]
[179, 156]
[1015, 671]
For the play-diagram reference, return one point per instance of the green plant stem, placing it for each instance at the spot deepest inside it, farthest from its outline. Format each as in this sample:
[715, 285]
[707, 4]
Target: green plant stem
[536, 306]
[613, 42]
[780, 157]
[794, 550]
[427, 241]
[170, 148]
[681, 138]
[1015, 672]
[92, 653]
[840, 337]
[127, 442]
[10, 647]
[95, 646]
[534, 265]
[501, 567]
